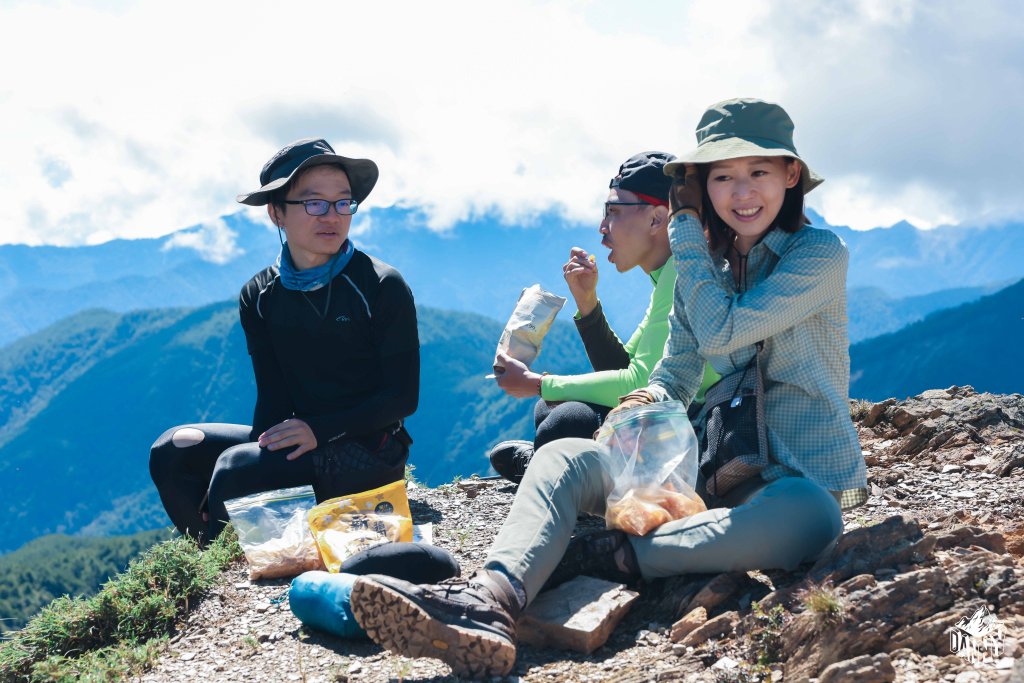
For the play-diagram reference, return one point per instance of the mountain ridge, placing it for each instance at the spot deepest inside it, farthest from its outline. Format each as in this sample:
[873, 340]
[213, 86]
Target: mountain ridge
[973, 343]
[446, 270]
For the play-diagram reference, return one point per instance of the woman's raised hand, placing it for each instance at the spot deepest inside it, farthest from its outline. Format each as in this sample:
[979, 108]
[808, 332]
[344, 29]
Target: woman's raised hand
[292, 432]
[686, 192]
[580, 273]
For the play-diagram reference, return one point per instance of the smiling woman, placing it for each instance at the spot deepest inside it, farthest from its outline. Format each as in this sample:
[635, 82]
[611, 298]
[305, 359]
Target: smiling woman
[335, 352]
[750, 194]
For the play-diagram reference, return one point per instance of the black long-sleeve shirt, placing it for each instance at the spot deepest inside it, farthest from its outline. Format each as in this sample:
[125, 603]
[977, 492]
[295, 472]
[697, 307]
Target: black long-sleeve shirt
[343, 358]
[604, 348]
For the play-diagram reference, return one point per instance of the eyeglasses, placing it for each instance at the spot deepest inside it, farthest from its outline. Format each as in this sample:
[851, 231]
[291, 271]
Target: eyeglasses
[610, 204]
[319, 207]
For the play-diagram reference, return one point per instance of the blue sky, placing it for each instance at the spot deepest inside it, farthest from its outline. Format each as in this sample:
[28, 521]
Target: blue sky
[136, 119]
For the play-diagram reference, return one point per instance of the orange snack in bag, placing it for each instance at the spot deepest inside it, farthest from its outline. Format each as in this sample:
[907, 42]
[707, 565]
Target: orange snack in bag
[640, 511]
[679, 505]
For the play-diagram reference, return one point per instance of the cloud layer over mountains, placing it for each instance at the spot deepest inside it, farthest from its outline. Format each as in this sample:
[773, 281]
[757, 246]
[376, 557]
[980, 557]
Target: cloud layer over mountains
[139, 118]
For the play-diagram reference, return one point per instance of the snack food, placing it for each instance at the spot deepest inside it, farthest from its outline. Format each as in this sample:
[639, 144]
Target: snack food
[282, 557]
[344, 526]
[534, 313]
[650, 453]
[273, 531]
[639, 511]
[350, 534]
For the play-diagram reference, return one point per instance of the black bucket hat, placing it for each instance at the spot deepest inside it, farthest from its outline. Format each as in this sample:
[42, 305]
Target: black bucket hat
[300, 155]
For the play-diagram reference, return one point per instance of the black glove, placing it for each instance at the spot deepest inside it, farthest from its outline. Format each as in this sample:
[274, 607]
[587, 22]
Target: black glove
[686, 192]
[634, 399]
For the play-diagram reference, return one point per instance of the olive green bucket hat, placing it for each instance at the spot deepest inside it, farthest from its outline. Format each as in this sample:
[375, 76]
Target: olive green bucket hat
[745, 127]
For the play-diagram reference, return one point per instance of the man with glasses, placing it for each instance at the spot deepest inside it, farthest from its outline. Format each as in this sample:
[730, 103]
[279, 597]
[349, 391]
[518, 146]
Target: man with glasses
[335, 352]
[634, 230]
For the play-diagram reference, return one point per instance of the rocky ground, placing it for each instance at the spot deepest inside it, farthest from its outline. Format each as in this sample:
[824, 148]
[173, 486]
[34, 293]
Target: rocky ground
[941, 537]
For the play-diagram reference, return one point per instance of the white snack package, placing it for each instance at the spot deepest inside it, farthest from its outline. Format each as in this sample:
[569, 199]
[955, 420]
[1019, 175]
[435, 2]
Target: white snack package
[530, 321]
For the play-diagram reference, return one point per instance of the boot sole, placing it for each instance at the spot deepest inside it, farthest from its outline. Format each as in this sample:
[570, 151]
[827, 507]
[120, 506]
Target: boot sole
[396, 623]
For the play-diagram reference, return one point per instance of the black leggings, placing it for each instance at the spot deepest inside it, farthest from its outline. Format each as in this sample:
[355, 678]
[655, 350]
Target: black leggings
[562, 420]
[197, 467]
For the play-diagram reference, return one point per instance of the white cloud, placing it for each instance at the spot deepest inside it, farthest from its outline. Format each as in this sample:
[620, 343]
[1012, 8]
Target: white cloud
[137, 119]
[919, 98]
[213, 241]
[869, 206]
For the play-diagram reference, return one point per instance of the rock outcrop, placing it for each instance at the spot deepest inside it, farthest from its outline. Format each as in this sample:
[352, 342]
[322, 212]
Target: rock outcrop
[926, 584]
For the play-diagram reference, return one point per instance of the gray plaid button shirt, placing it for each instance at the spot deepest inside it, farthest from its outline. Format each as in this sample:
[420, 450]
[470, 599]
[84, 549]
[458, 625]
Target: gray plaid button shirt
[795, 301]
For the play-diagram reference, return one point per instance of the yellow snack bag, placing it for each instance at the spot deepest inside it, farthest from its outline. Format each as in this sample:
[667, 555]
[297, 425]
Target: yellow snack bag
[344, 526]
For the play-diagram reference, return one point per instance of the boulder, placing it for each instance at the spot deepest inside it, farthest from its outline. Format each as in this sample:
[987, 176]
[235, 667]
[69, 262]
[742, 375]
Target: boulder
[863, 669]
[692, 621]
[955, 418]
[895, 541]
[579, 615]
[966, 536]
[721, 625]
[1007, 461]
[873, 614]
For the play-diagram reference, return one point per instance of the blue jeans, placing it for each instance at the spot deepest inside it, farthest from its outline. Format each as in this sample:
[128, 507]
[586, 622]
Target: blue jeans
[764, 525]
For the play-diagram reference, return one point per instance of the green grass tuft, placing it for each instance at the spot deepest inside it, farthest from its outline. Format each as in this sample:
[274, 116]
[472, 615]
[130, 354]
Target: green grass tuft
[117, 632]
[824, 603]
[410, 478]
[859, 409]
[767, 635]
[114, 663]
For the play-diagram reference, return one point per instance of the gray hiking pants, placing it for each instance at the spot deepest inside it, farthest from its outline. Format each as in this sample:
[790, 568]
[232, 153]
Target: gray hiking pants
[767, 525]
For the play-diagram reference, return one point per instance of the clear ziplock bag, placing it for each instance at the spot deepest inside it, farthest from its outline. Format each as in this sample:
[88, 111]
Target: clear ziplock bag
[273, 532]
[652, 460]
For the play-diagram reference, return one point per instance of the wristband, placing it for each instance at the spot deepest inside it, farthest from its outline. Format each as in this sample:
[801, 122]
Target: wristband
[684, 208]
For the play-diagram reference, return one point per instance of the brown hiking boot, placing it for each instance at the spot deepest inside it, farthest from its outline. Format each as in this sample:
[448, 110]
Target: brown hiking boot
[469, 624]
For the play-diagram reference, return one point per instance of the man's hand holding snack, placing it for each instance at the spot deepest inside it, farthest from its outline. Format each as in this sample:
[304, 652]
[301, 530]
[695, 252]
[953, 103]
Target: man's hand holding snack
[517, 380]
[580, 273]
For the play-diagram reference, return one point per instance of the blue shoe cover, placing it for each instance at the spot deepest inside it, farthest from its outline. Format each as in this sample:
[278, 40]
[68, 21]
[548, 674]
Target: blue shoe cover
[321, 600]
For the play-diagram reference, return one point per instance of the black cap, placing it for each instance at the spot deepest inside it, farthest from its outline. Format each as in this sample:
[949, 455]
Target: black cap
[301, 154]
[644, 174]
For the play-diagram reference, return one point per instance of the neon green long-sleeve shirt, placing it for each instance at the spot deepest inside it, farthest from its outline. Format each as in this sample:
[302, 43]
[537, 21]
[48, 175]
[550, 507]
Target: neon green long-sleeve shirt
[643, 351]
